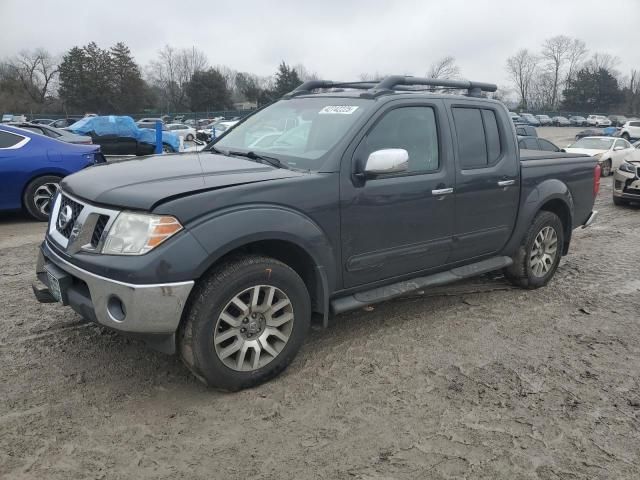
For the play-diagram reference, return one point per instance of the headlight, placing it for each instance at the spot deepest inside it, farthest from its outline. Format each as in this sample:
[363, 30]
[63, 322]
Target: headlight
[138, 233]
[627, 167]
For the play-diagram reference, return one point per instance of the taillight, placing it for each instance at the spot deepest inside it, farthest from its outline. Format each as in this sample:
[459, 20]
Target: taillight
[596, 180]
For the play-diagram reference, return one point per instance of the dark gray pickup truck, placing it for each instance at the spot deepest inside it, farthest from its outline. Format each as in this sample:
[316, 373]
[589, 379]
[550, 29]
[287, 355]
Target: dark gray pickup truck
[337, 196]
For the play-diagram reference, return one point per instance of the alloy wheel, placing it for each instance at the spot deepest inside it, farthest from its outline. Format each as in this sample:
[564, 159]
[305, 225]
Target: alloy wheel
[253, 328]
[544, 251]
[42, 197]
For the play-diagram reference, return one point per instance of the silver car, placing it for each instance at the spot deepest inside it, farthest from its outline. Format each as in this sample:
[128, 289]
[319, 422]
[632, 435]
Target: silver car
[626, 179]
[57, 133]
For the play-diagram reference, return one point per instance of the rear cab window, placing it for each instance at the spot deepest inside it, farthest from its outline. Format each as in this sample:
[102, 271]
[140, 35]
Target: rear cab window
[479, 139]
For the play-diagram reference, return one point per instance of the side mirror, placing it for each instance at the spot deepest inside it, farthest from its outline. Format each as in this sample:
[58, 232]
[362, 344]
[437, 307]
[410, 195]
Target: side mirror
[615, 149]
[389, 160]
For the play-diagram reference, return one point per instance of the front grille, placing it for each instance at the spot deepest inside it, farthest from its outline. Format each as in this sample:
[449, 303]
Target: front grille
[76, 208]
[99, 229]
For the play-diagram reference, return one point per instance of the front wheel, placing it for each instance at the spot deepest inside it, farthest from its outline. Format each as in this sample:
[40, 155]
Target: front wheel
[167, 148]
[246, 322]
[38, 195]
[606, 168]
[538, 256]
[189, 138]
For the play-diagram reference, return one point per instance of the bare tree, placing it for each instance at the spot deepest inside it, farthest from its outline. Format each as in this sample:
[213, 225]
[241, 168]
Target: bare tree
[555, 51]
[603, 61]
[37, 71]
[305, 74]
[172, 71]
[444, 69]
[521, 69]
[575, 57]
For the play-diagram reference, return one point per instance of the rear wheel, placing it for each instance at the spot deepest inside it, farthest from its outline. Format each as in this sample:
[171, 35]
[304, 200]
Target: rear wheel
[626, 136]
[189, 138]
[166, 148]
[246, 322]
[539, 254]
[38, 195]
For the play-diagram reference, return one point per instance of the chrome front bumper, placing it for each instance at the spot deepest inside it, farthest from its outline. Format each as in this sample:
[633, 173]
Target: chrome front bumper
[144, 309]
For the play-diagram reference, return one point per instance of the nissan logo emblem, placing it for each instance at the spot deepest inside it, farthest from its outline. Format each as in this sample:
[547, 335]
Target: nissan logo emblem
[65, 217]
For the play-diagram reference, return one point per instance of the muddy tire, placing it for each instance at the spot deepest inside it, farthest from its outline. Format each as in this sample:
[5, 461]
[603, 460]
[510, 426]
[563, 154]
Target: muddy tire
[245, 323]
[539, 254]
[38, 196]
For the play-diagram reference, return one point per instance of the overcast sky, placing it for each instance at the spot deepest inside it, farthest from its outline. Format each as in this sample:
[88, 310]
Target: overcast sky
[338, 39]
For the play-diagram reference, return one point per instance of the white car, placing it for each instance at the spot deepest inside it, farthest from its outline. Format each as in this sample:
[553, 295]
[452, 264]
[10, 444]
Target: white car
[181, 130]
[219, 127]
[609, 151]
[631, 130]
[598, 121]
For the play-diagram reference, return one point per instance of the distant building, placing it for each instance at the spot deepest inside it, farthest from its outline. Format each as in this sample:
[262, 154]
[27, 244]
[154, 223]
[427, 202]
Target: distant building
[245, 105]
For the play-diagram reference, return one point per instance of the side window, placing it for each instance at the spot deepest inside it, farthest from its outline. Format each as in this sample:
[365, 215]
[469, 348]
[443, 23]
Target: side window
[547, 146]
[472, 146]
[492, 134]
[478, 134]
[634, 124]
[621, 144]
[411, 128]
[8, 140]
[530, 144]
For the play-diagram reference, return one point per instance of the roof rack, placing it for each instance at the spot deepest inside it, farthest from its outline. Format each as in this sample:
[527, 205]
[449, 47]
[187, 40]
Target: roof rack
[395, 83]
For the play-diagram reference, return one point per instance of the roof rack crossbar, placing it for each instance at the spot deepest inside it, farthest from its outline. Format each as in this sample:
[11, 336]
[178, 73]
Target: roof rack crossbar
[473, 88]
[397, 83]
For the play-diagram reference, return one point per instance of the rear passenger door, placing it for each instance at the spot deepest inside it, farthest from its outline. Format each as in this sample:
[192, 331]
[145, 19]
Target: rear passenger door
[487, 186]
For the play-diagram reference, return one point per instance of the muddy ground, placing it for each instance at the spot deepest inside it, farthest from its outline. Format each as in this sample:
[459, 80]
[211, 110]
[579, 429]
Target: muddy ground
[476, 380]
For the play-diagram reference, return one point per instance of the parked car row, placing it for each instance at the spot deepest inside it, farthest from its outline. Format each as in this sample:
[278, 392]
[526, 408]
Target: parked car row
[595, 120]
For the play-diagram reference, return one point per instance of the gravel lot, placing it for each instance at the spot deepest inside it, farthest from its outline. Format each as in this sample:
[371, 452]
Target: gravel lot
[475, 380]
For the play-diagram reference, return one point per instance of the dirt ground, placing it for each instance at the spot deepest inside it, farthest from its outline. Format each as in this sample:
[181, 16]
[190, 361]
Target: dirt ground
[475, 380]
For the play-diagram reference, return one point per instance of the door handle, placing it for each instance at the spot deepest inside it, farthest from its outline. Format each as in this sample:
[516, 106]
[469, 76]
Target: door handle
[506, 183]
[441, 191]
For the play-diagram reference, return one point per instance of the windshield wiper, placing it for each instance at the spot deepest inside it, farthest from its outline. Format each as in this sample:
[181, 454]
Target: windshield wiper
[274, 162]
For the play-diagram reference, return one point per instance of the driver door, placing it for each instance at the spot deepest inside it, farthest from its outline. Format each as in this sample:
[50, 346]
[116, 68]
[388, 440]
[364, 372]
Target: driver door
[398, 223]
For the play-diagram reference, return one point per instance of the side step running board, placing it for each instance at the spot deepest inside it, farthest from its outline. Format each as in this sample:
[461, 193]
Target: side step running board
[380, 294]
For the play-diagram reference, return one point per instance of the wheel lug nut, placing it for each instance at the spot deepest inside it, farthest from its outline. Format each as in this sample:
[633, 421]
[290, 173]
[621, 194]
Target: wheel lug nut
[242, 330]
[253, 315]
[245, 320]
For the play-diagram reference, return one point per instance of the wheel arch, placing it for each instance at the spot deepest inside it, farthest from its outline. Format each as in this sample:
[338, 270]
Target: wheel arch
[278, 232]
[553, 196]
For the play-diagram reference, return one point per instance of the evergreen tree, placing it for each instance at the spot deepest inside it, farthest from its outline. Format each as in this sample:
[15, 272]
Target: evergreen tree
[287, 79]
[592, 91]
[207, 90]
[128, 88]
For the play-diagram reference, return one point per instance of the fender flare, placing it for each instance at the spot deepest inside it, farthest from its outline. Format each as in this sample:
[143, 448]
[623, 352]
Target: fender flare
[227, 230]
[547, 191]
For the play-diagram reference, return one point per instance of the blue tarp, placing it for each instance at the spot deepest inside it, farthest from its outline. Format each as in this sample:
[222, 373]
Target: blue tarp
[122, 126]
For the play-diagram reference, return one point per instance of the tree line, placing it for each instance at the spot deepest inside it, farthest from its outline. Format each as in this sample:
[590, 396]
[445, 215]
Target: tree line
[108, 80]
[564, 75]
[561, 75]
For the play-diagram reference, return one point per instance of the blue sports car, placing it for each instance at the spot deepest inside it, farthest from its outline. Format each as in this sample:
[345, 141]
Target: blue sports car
[32, 165]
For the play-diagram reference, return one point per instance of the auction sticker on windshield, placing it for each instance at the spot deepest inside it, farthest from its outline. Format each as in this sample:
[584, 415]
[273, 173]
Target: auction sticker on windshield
[338, 110]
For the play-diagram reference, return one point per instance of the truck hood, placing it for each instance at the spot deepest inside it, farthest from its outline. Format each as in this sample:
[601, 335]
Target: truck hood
[141, 184]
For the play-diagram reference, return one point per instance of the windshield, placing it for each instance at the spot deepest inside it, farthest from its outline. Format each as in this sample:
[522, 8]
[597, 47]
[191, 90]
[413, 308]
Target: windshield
[593, 143]
[298, 132]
